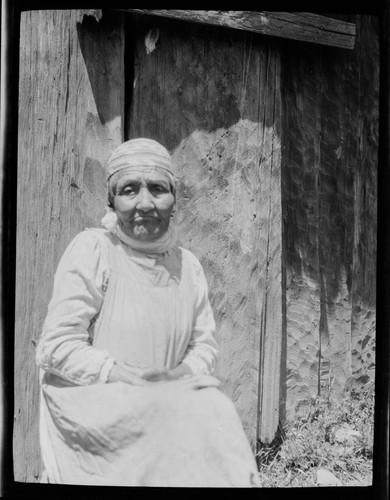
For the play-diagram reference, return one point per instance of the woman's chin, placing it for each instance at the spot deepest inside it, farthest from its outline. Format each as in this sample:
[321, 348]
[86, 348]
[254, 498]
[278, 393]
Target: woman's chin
[142, 233]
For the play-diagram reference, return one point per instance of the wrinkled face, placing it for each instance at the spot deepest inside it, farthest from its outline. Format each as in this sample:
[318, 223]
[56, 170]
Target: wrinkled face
[143, 202]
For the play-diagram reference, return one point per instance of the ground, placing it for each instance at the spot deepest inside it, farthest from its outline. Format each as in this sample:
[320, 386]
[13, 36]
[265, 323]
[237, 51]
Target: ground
[332, 444]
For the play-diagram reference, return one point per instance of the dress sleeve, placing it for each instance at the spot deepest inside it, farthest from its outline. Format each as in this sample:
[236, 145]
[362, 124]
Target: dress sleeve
[64, 347]
[202, 351]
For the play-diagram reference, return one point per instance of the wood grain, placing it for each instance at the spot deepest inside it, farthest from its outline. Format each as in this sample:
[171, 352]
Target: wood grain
[330, 139]
[70, 117]
[303, 26]
[214, 101]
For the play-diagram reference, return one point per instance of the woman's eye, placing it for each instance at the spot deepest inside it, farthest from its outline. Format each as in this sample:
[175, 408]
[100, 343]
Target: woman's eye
[128, 190]
[158, 188]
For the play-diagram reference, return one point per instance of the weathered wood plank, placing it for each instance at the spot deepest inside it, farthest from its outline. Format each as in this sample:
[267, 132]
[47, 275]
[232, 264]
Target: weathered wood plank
[70, 117]
[270, 208]
[214, 101]
[330, 131]
[306, 27]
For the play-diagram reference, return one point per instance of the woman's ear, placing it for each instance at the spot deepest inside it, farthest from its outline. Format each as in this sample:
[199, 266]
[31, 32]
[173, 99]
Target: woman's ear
[110, 199]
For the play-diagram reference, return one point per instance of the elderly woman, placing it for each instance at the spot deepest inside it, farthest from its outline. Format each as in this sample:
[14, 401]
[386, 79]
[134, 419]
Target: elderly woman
[127, 349]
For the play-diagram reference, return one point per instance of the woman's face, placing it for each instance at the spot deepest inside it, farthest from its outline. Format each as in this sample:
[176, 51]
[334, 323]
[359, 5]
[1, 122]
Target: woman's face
[143, 202]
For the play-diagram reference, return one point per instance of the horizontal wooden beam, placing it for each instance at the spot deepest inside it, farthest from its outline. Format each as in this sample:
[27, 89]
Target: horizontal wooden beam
[303, 26]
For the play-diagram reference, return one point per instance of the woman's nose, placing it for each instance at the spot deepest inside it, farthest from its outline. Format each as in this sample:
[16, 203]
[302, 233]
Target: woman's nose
[144, 199]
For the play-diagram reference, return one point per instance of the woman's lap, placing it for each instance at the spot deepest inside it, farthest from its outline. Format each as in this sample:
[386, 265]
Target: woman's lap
[162, 434]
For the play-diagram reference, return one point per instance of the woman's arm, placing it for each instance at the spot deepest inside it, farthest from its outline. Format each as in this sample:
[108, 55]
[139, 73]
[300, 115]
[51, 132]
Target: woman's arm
[202, 351]
[119, 373]
[77, 297]
[157, 374]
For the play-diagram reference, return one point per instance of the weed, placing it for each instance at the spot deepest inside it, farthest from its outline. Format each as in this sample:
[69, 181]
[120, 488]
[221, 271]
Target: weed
[312, 441]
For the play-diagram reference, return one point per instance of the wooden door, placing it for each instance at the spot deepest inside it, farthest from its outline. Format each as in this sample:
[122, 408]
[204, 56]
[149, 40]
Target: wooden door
[212, 96]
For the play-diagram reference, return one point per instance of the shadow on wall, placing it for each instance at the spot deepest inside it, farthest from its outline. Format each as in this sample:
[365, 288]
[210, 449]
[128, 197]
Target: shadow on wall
[101, 44]
[92, 32]
[198, 78]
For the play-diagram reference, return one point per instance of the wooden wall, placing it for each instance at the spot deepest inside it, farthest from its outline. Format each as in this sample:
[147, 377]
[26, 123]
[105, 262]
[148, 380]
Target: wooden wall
[329, 170]
[71, 115]
[275, 143]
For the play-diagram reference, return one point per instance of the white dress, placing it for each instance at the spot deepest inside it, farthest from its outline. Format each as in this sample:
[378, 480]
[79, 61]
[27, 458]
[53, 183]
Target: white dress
[113, 303]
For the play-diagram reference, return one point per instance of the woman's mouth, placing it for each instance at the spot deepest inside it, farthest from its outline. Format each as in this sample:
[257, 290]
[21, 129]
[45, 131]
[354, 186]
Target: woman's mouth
[141, 218]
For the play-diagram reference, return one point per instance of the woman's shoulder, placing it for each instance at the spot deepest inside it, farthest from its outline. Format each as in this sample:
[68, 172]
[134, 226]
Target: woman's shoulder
[86, 251]
[96, 233]
[91, 235]
[90, 240]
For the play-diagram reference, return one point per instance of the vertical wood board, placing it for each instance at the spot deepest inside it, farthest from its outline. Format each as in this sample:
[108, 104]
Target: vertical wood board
[270, 201]
[330, 138]
[70, 117]
[212, 97]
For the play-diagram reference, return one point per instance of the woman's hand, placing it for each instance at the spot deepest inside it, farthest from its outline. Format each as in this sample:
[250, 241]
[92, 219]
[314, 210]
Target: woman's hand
[120, 373]
[160, 374]
[198, 382]
[141, 376]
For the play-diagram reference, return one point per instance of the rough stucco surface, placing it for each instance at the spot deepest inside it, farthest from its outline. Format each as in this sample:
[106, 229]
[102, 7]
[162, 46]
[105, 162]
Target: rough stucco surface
[212, 97]
[329, 170]
[224, 218]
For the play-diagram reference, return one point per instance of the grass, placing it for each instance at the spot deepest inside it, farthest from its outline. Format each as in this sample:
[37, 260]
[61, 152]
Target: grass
[309, 443]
